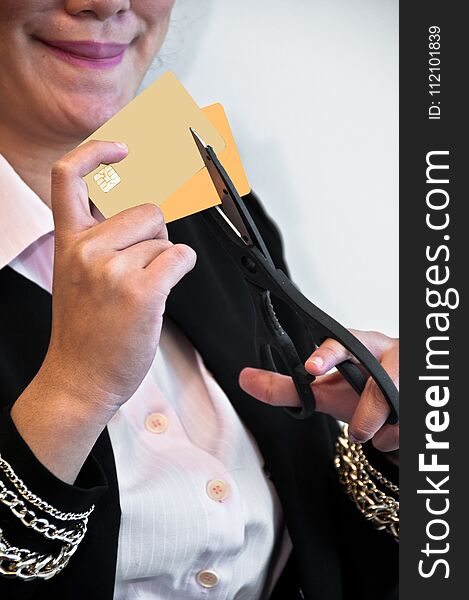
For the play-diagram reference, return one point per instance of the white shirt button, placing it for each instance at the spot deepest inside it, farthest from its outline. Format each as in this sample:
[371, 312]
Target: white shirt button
[207, 579]
[217, 489]
[156, 423]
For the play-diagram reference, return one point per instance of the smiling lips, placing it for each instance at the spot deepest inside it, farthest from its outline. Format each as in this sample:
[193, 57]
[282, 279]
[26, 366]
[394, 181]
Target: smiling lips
[94, 55]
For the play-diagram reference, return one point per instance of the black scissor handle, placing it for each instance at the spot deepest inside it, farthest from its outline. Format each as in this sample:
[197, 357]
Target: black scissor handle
[353, 374]
[321, 327]
[273, 344]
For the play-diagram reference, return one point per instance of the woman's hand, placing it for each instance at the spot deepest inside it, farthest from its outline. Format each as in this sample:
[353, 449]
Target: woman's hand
[111, 281]
[366, 414]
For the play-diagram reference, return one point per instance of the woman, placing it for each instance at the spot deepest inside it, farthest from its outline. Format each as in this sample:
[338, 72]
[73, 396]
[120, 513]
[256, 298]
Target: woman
[129, 476]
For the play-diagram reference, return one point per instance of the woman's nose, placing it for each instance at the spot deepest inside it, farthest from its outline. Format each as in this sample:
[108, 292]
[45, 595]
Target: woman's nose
[102, 9]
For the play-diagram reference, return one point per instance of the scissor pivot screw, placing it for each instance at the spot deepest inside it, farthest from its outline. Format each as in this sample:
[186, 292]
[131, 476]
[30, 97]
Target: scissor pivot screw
[249, 264]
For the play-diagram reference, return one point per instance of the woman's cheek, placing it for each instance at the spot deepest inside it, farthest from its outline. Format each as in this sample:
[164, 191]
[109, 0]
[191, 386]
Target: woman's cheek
[153, 11]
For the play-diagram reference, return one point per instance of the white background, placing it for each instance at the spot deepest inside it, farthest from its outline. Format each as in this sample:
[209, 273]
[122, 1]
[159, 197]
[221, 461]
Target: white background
[311, 91]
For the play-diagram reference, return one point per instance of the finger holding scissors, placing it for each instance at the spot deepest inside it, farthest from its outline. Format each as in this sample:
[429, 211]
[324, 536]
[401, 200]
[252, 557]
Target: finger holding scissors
[366, 414]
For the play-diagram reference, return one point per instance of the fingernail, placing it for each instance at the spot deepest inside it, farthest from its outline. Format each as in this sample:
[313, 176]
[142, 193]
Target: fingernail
[317, 361]
[121, 145]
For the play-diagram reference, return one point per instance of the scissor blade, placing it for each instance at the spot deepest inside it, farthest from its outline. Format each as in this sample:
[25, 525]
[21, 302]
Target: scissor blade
[225, 189]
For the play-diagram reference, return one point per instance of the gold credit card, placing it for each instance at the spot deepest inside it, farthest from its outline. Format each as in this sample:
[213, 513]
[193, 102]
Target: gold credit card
[162, 155]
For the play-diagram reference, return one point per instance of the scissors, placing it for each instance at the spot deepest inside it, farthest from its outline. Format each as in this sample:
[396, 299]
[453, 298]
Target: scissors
[237, 233]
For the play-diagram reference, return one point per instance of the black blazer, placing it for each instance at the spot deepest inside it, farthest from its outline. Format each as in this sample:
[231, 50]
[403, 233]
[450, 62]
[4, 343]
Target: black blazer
[337, 555]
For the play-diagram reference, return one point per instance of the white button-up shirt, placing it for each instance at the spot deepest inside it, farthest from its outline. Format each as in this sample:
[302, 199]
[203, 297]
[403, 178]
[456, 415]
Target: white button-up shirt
[199, 515]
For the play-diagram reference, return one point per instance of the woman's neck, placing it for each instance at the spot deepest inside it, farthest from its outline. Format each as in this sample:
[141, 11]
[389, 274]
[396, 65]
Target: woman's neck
[32, 158]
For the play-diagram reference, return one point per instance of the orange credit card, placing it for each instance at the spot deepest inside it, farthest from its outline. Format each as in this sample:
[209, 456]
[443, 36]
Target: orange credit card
[199, 192]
